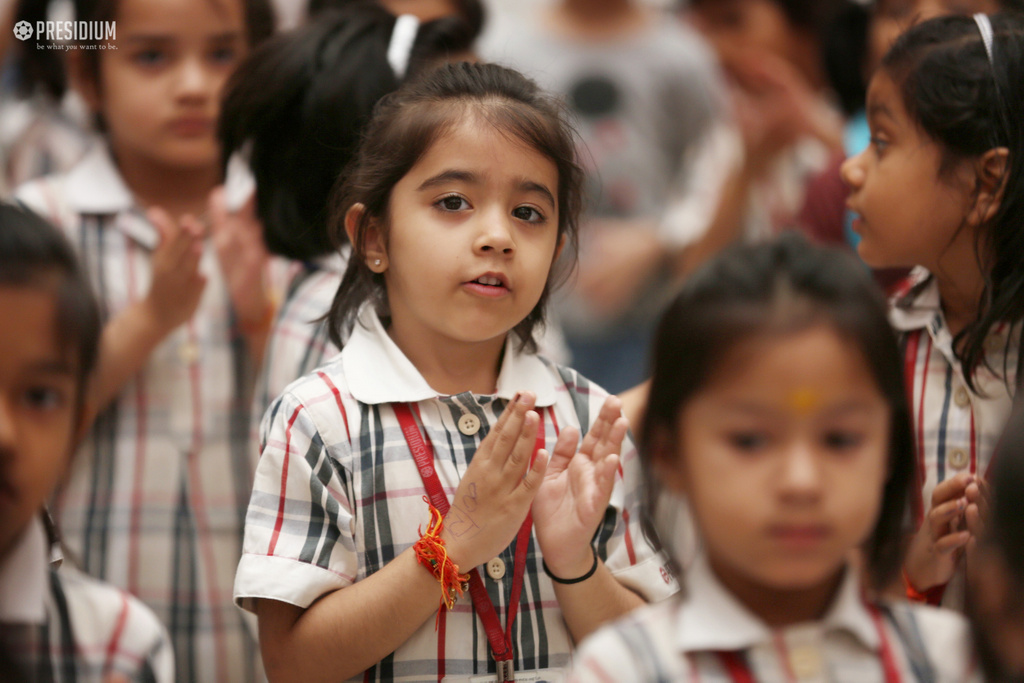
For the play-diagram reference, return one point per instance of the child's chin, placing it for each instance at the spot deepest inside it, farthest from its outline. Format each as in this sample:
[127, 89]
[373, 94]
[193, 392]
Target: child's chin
[801, 576]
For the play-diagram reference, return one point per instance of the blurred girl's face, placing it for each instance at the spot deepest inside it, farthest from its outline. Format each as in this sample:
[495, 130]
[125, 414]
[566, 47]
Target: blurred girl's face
[38, 388]
[783, 456]
[733, 26]
[160, 82]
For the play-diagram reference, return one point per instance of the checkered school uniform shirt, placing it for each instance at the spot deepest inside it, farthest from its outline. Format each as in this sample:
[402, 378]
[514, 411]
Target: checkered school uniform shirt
[680, 640]
[62, 626]
[157, 493]
[955, 429]
[338, 495]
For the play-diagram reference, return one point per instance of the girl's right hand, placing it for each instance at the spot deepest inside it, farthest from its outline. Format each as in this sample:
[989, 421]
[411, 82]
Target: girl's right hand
[497, 489]
[936, 548]
[177, 285]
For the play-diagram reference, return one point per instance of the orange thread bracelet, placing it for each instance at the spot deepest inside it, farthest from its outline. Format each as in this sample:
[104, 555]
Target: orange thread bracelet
[931, 596]
[432, 554]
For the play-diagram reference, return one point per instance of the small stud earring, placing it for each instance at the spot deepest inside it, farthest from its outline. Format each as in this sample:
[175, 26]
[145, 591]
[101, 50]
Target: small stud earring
[376, 261]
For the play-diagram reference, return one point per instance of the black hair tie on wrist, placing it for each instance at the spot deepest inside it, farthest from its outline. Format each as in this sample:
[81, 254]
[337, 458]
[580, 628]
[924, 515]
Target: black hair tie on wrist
[578, 579]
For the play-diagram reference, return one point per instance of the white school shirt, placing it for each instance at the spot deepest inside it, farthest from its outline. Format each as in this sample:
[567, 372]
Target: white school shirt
[337, 496]
[157, 493]
[680, 640]
[57, 624]
[955, 429]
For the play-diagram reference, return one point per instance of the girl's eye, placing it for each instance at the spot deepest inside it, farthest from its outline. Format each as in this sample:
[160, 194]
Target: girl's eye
[43, 398]
[224, 55]
[150, 57]
[528, 214]
[879, 144]
[748, 441]
[453, 202]
[842, 440]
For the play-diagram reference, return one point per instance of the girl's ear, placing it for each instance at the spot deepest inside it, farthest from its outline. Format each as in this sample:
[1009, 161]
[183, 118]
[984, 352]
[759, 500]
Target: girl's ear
[990, 180]
[83, 80]
[666, 462]
[372, 242]
[559, 247]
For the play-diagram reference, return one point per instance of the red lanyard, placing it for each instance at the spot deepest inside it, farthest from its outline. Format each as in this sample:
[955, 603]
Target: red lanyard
[501, 641]
[739, 672]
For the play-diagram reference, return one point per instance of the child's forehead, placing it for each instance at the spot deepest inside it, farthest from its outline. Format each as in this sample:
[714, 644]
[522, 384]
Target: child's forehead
[29, 327]
[169, 17]
[884, 97]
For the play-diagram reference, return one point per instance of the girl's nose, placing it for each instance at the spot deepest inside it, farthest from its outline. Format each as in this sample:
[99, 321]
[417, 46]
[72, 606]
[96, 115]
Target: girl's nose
[496, 235]
[852, 171]
[193, 79]
[801, 474]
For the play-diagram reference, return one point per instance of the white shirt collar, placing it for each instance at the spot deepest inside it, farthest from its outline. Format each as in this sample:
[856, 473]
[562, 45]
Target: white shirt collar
[711, 619]
[377, 371]
[23, 578]
[95, 186]
[913, 314]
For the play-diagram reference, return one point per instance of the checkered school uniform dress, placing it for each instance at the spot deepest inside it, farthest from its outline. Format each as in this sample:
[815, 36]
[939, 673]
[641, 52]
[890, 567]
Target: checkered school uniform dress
[62, 626]
[157, 493]
[680, 640]
[955, 429]
[337, 496]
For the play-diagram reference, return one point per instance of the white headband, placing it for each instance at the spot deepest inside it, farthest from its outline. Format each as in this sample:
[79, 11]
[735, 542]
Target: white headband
[985, 29]
[403, 35]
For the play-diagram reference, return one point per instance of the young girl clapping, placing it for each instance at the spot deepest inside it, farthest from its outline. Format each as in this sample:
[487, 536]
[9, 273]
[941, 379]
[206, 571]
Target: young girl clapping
[464, 193]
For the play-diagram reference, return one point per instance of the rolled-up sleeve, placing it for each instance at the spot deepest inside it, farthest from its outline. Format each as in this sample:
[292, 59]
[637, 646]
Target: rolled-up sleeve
[298, 527]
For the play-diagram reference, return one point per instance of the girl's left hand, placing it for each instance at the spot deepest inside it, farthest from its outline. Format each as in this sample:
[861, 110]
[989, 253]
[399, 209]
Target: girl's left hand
[576, 489]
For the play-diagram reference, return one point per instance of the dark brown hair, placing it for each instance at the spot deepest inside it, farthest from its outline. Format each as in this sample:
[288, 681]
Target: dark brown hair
[406, 123]
[301, 101]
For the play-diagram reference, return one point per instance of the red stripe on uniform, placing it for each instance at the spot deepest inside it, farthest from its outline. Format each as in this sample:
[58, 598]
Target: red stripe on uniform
[783, 652]
[337, 399]
[284, 482]
[113, 647]
[630, 553]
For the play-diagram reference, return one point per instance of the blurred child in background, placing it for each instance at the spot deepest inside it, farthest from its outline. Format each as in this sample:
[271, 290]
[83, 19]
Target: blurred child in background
[156, 497]
[55, 623]
[777, 412]
[787, 125]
